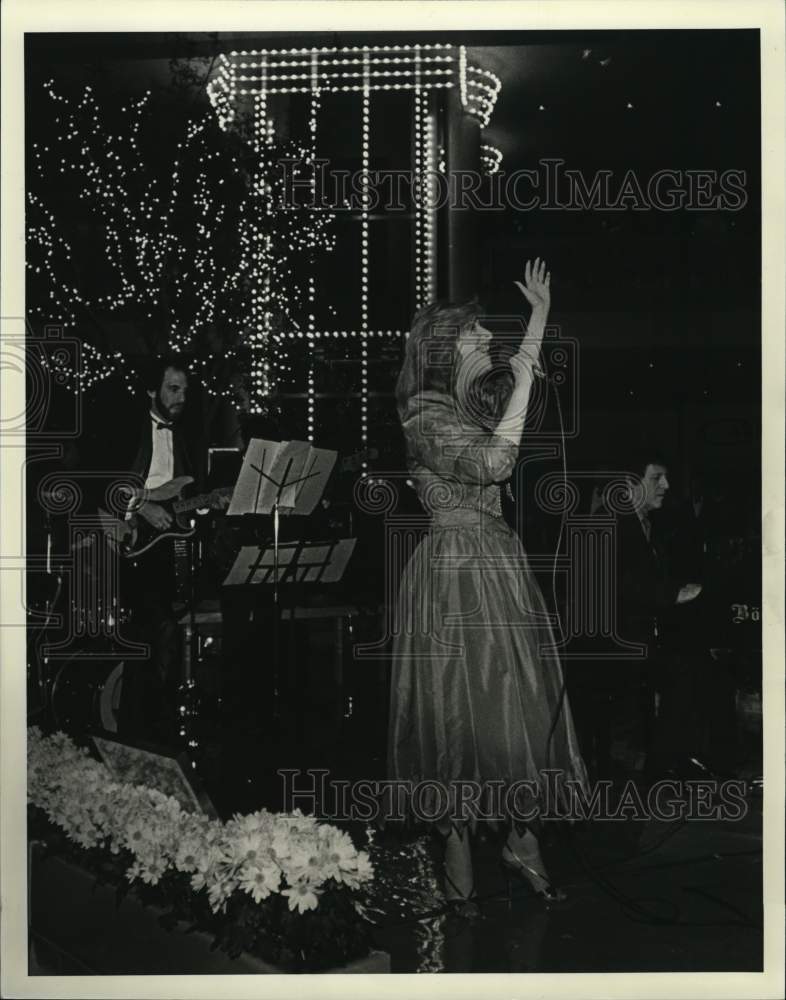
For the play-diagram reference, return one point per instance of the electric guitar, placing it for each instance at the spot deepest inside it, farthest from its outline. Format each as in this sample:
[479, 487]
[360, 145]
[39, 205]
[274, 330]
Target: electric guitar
[134, 536]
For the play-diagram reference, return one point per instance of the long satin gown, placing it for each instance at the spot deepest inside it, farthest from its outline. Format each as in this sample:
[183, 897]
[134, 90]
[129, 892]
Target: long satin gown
[477, 688]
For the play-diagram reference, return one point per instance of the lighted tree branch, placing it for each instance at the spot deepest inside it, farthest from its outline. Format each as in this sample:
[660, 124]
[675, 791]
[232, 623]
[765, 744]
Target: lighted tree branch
[175, 237]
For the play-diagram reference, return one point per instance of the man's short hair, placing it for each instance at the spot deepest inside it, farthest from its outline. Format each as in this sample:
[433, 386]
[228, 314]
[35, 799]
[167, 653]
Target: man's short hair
[643, 455]
[152, 374]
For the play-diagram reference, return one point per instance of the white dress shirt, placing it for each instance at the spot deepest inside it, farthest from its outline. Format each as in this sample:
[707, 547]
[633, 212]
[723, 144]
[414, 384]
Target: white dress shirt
[162, 461]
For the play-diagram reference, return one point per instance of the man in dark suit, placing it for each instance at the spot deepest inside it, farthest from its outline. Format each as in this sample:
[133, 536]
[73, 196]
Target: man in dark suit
[697, 721]
[156, 443]
[624, 690]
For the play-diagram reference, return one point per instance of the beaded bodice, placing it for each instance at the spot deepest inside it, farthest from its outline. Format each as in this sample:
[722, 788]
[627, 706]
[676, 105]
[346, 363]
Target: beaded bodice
[455, 465]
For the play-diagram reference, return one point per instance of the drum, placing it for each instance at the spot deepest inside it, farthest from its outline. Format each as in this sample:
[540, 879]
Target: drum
[86, 693]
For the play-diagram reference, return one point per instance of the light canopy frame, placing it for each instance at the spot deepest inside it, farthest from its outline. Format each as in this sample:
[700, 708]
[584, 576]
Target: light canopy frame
[419, 69]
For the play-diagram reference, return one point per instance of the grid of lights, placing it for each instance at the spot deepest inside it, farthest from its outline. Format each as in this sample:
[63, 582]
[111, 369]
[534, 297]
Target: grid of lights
[300, 71]
[263, 123]
[358, 69]
[490, 159]
[279, 340]
[420, 69]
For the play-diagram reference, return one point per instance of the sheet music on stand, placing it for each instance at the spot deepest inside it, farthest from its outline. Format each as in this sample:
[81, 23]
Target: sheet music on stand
[298, 562]
[289, 475]
[285, 477]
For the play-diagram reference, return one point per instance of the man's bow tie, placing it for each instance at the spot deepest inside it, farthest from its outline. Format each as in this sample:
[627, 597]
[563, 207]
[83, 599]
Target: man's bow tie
[163, 425]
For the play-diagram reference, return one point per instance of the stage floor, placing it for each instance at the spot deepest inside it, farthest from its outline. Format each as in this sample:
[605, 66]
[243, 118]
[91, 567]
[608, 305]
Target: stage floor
[685, 898]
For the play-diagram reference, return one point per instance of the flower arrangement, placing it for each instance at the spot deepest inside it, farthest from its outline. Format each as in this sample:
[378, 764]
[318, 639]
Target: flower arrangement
[254, 880]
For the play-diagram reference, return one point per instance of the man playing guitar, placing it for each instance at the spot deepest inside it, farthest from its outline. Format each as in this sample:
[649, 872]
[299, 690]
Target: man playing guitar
[157, 447]
[149, 688]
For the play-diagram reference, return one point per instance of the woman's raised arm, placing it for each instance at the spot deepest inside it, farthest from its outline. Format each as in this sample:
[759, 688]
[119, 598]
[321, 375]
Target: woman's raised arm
[536, 289]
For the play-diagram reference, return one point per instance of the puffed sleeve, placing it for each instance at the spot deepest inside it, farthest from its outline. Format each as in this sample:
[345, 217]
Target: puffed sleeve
[438, 440]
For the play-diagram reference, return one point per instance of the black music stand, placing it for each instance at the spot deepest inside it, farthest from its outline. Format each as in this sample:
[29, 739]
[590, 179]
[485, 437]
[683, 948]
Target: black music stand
[280, 478]
[293, 563]
[283, 478]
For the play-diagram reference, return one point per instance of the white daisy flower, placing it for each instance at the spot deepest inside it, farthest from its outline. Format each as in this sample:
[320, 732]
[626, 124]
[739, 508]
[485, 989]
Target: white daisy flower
[302, 897]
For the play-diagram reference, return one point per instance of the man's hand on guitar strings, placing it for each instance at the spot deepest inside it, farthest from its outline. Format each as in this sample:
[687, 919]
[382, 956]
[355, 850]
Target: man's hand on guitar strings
[155, 515]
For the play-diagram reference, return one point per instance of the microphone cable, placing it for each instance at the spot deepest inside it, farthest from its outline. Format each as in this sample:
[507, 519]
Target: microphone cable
[563, 517]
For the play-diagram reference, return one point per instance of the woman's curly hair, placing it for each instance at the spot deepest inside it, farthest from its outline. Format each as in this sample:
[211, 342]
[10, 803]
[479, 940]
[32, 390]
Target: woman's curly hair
[430, 361]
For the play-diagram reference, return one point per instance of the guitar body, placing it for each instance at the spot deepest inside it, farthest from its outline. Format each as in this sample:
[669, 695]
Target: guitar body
[135, 536]
[146, 536]
[165, 495]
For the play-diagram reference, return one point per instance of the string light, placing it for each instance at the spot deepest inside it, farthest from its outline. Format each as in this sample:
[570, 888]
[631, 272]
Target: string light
[490, 159]
[429, 208]
[417, 155]
[329, 51]
[324, 78]
[425, 165]
[364, 258]
[311, 402]
[278, 246]
[335, 334]
[160, 235]
[312, 124]
[480, 92]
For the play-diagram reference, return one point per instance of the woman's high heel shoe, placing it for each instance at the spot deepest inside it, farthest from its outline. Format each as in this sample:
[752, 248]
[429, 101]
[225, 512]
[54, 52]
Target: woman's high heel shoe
[457, 868]
[521, 871]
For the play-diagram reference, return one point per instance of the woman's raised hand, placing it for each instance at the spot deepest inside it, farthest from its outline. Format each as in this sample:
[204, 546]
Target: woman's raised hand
[536, 287]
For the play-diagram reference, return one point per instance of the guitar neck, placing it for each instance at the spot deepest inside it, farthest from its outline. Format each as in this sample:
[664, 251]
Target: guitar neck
[192, 503]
